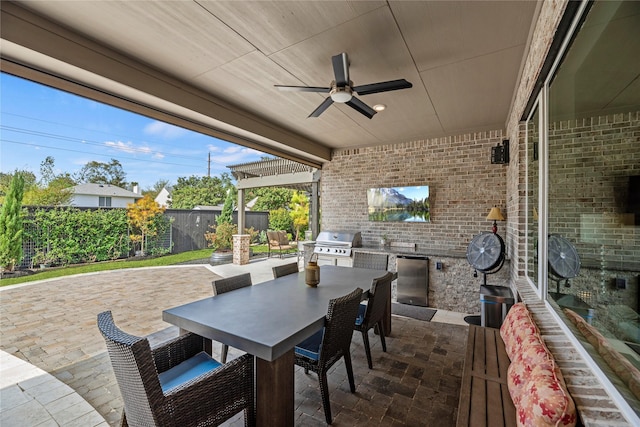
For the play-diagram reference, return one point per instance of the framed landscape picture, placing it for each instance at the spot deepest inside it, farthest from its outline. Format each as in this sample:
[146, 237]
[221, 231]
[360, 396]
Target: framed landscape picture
[399, 204]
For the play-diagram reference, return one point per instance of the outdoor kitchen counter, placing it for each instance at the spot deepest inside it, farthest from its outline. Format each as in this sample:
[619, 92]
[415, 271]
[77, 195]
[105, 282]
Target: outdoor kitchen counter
[399, 250]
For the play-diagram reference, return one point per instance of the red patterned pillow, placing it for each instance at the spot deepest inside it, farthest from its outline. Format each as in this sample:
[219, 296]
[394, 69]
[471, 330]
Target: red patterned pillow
[545, 400]
[517, 329]
[533, 353]
[620, 365]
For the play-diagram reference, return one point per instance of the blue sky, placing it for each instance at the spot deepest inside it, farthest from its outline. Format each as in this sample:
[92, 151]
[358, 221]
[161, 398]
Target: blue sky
[37, 121]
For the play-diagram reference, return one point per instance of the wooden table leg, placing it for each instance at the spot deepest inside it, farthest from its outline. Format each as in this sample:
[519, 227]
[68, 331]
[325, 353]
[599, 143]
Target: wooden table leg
[275, 391]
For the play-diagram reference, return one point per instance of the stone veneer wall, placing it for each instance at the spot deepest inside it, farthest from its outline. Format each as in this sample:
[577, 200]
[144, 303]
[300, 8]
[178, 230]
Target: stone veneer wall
[463, 186]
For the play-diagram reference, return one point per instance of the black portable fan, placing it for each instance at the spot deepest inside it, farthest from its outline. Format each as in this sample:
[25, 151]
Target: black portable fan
[564, 261]
[486, 253]
[341, 89]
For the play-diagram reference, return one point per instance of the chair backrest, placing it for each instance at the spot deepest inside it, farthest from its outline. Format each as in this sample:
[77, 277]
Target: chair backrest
[369, 260]
[273, 238]
[232, 283]
[282, 237]
[378, 296]
[135, 372]
[283, 270]
[341, 315]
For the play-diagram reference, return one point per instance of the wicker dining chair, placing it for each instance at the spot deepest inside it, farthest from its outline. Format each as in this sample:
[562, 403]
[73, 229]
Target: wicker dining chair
[372, 313]
[324, 348]
[369, 260]
[285, 269]
[177, 383]
[229, 284]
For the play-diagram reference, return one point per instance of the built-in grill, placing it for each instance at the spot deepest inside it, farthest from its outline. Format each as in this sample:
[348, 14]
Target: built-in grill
[337, 243]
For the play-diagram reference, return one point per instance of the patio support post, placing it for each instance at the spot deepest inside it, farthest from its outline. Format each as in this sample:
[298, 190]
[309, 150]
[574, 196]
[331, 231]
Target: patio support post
[314, 210]
[241, 213]
[241, 246]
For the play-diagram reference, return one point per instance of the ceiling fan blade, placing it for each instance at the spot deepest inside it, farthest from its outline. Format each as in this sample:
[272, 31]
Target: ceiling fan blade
[341, 69]
[382, 87]
[325, 104]
[303, 88]
[361, 107]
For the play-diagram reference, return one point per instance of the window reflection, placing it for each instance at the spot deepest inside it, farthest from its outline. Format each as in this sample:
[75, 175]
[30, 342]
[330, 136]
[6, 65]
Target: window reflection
[593, 157]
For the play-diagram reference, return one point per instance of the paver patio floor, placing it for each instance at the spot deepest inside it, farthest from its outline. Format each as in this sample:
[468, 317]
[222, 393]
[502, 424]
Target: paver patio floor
[52, 325]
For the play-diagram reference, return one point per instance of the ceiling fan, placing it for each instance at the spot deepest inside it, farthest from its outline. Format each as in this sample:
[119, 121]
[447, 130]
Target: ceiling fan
[342, 89]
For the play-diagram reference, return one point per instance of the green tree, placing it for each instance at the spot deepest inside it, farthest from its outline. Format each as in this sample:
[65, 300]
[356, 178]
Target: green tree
[196, 190]
[11, 224]
[57, 193]
[6, 178]
[279, 219]
[226, 216]
[103, 173]
[299, 212]
[270, 198]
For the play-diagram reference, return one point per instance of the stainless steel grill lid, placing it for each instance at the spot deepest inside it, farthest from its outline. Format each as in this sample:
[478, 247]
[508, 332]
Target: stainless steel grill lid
[339, 238]
[337, 243]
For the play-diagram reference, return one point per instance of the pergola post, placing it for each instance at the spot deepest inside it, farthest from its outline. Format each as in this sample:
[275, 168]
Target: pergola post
[241, 215]
[279, 173]
[314, 210]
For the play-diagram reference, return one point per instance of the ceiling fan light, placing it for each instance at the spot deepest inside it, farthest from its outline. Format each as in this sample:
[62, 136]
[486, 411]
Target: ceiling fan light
[379, 107]
[341, 96]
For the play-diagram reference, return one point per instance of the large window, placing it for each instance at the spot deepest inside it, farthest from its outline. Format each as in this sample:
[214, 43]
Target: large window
[592, 169]
[104, 202]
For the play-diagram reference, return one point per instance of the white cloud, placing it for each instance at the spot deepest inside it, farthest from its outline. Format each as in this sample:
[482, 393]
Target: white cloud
[158, 156]
[213, 148]
[232, 149]
[164, 130]
[235, 155]
[129, 147]
[126, 147]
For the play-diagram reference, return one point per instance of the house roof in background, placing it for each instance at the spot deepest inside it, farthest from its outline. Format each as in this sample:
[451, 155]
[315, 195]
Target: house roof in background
[104, 190]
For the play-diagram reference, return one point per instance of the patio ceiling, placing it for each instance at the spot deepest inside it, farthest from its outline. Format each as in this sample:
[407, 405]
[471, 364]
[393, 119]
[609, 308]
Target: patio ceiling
[212, 65]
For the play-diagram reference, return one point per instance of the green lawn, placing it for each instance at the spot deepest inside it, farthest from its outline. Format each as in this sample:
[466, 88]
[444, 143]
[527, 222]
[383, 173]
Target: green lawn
[55, 272]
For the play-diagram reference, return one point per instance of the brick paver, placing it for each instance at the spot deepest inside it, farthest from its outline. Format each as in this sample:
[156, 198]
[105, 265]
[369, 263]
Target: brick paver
[53, 326]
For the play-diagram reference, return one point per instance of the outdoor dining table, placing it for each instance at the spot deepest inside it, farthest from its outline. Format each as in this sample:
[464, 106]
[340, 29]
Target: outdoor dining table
[267, 320]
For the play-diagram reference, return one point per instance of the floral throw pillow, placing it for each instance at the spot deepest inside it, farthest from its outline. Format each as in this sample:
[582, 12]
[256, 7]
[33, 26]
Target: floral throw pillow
[517, 329]
[545, 400]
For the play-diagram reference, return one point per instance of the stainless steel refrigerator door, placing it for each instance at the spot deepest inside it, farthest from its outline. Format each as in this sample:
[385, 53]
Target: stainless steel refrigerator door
[413, 279]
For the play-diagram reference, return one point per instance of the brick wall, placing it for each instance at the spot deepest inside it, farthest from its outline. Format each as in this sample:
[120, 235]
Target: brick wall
[463, 186]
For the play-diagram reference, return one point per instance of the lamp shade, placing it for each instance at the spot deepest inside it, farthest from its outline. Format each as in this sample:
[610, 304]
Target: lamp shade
[495, 214]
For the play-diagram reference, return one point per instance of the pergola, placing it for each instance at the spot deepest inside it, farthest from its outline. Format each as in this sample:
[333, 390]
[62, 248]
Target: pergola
[278, 173]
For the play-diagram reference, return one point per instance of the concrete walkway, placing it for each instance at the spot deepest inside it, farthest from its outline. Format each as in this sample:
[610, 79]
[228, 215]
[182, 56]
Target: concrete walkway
[54, 370]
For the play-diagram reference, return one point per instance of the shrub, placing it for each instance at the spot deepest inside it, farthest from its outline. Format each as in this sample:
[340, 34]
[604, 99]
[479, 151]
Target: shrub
[279, 219]
[11, 224]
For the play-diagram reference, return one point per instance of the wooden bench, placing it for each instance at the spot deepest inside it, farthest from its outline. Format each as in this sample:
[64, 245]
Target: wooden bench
[484, 396]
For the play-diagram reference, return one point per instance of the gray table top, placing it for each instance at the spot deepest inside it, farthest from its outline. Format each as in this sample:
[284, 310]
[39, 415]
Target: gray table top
[270, 318]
